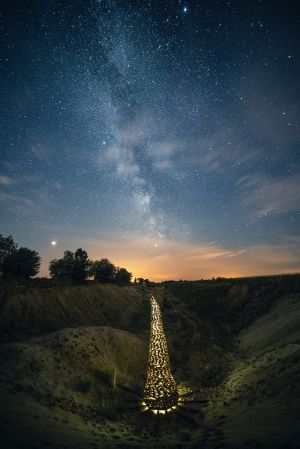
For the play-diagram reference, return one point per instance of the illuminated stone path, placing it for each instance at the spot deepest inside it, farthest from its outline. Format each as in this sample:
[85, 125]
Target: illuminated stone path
[160, 392]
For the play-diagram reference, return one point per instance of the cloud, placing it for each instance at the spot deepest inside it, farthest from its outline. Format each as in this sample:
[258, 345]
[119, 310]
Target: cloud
[136, 133]
[271, 195]
[161, 153]
[40, 151]
[164, 165]
[220, 152]
[37, 203]
[15, 202]
[160, 259]
[121, 159]
[163, 149]
[6, 180]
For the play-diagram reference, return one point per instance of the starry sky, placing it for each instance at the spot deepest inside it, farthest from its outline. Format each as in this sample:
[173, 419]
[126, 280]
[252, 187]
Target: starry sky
[163, 135]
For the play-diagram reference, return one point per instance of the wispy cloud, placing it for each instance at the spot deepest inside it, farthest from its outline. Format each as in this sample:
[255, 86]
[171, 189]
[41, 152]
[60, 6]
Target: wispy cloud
[164, 165]
[266, 195]
[163, 149]
[122, 159]
[222, 151]
[15, 202]
[169, 259]
[219, 152]
[40, 151]
[6, 180]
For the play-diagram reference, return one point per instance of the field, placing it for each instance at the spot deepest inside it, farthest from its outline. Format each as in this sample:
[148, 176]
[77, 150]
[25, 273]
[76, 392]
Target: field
[73, 364]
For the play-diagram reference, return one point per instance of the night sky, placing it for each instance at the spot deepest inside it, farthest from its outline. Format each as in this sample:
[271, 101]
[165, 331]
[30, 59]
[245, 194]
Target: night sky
[163, 135]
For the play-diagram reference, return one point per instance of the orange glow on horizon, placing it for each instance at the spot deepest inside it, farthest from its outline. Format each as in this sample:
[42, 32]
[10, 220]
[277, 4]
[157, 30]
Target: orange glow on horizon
[174, 260]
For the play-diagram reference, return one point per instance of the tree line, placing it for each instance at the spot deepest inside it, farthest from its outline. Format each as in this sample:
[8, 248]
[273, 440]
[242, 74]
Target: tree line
[75, 267]
[17, 263]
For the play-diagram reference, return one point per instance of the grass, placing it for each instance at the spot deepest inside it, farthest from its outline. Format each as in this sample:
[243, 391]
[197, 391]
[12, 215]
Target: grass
[140, 319]
[253, 390]
[107, 375]
[235, 302]
[85, 385]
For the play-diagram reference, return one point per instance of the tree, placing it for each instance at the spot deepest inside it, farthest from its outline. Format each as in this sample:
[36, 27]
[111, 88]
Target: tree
[122, 276]
[73, 266]
[7, 247]
[62, 269]
[143, 281]
[57, 269]
[81, 266]
[103, 271]
[21, 263]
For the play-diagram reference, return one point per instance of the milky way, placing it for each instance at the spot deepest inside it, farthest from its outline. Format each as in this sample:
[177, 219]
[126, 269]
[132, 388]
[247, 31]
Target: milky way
[156, 125]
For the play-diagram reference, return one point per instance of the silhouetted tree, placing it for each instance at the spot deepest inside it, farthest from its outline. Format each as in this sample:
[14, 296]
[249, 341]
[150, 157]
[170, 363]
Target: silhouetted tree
[57, 269]
[21, 263]
[72, 267]
[7, 247]
[81, 266]
[62, 269]
[122, 276]
[103, 271]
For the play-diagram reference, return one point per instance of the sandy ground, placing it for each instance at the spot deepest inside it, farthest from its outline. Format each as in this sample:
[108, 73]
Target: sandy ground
[60, 390]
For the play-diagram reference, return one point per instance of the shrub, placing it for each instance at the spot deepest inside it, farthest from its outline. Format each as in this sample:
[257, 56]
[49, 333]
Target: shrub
[22, 263]
[103, 271]
[72, 267]
[107, 375]
[84, 385]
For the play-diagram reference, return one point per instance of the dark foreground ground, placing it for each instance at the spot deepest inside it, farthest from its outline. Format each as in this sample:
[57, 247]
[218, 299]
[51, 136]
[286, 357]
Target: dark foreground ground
[73, 363]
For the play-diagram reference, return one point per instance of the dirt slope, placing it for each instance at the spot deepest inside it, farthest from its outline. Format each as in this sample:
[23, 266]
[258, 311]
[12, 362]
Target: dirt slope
[74, 367]
[259, 400]
[27, 311]
[53, 386]
[237, 344]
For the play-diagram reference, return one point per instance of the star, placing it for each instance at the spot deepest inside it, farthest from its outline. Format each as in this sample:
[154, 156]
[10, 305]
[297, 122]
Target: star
[150, 135]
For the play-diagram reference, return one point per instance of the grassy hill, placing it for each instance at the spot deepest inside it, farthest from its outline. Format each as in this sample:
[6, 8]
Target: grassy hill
[74, 363]
[30, 309]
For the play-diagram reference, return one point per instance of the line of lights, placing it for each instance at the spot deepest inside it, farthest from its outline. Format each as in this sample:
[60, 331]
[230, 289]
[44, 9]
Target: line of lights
[160, 391]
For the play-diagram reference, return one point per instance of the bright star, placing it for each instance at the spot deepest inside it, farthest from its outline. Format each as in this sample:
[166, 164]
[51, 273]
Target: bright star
[53, 243]
[185, 9]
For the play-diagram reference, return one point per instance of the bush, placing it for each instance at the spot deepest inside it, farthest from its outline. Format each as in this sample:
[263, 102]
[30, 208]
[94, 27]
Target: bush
[107, 375]
[84, 385]
[72, 267]
[103, 271]
[122, 276]
[22, 263]
[140, 319]
[7, 247]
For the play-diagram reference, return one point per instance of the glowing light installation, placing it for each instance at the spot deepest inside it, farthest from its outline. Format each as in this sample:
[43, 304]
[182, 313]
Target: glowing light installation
[160, 392]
